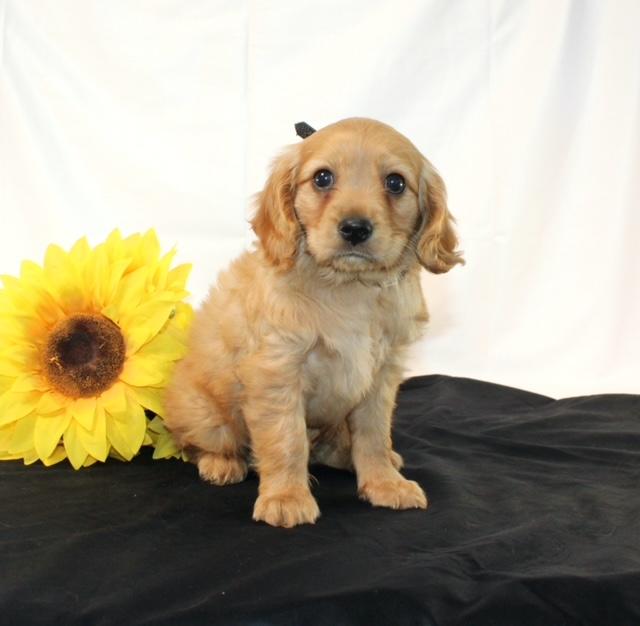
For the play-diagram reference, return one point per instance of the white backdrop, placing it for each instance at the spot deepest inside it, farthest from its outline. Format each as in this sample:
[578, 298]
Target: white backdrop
[165, 113]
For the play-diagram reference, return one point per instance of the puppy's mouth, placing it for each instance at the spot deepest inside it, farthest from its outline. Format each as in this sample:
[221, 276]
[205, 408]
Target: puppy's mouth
[358, 263]
[356, 255]
[350, 261]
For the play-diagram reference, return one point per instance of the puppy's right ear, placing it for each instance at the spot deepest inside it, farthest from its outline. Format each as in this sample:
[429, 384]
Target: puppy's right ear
[275, 221]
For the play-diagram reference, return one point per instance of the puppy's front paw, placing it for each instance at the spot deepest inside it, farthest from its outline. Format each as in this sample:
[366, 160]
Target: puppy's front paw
[395, 494]
[287, 509]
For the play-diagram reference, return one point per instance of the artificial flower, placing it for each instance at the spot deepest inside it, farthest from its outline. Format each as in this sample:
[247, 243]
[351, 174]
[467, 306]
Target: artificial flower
[87, 345]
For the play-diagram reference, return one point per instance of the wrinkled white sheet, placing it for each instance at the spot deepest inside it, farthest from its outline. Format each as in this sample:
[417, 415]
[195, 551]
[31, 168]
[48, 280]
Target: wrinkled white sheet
[166, 113]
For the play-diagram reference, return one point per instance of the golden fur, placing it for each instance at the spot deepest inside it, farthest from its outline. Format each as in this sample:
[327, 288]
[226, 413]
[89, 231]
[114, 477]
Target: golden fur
[297, 353]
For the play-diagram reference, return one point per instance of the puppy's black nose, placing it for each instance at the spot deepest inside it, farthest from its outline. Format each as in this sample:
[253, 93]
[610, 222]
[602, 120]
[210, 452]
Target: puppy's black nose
[355, 231]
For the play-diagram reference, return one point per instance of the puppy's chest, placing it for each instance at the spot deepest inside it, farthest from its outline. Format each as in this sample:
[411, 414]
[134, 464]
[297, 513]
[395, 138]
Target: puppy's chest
[340, 369]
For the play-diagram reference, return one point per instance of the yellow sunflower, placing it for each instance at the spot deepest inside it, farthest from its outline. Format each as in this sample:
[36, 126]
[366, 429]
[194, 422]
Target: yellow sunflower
[87, 343]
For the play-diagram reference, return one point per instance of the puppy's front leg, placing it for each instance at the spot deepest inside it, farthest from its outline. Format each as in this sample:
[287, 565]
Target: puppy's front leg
[379, 480]
[274, 414]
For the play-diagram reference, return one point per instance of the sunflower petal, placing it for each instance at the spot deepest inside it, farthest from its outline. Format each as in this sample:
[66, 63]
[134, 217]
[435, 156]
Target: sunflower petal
[31, 272]
[141, 372]
[29, 382]
[182, 319]
[95, 441]
[22, 440]
[30, 457]
[150, 248]
[133, 425]
[163, 347]
[114, 399]
[84, 411]
[116, 272]
[6, 435]
[114, 245]
[58, 455]
[177, 277]
[9, 367]
[15, 406]
[113, 454]
[73, 446]
[130, 246]
[150, 398]
[80, 252]
[96, 272]
[6, 383]
[48, 431]
[63, 275]
[52, 401]
[19, 296]
[162, 271]
[118, 439]
[49, 313]
[128, 294]
[16, 362]
[5, 456]
[145, 324]
[165, 446]
[55, 258]
[14, 329]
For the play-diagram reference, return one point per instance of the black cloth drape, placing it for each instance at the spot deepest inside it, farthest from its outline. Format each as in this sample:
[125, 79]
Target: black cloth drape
[534, 518]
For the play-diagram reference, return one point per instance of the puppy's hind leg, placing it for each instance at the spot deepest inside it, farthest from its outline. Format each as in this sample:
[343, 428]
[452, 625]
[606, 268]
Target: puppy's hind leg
[219, 454]
[213, 440]
[331, 447]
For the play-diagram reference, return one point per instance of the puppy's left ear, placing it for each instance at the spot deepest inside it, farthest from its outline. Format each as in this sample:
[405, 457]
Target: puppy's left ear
[275, 221]
[438, 241]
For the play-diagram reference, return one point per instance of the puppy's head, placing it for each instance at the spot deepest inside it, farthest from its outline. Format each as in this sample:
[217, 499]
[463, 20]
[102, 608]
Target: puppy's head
[360, 199]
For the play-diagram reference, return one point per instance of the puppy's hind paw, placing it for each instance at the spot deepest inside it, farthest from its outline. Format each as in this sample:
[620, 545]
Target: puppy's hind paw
[222, 470]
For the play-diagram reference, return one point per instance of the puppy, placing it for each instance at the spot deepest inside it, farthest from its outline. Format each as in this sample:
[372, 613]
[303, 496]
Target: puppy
[297, 353]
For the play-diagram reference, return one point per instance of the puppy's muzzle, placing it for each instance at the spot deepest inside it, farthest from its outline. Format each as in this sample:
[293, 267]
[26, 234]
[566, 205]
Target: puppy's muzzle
[355, 230]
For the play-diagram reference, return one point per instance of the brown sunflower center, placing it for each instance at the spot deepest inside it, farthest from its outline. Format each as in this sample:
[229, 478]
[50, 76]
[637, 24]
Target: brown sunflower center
[84, 355]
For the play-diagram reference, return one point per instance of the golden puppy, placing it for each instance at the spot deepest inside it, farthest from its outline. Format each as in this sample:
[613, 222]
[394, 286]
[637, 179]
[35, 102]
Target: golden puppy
[297, 353]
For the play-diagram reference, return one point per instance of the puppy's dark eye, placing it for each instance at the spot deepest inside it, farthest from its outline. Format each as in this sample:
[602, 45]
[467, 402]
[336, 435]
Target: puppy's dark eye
[394, 183]
[323, 179]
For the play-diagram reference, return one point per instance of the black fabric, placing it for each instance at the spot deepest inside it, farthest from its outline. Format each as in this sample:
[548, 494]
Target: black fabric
[534, 518]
